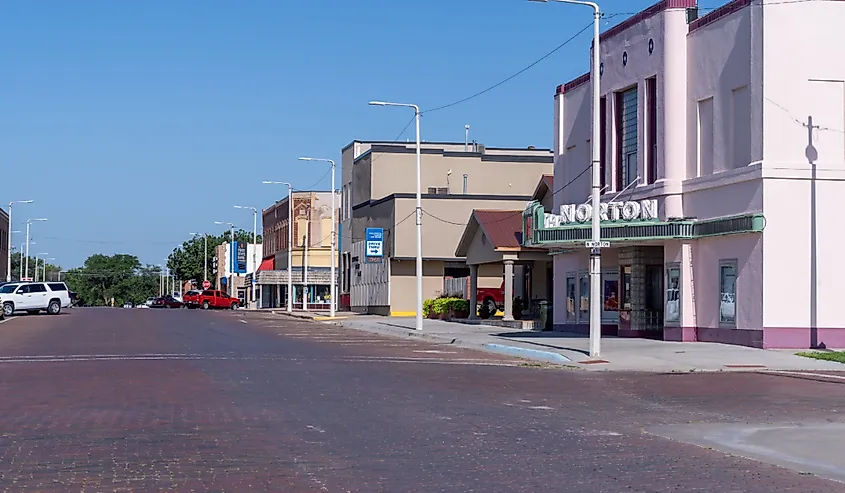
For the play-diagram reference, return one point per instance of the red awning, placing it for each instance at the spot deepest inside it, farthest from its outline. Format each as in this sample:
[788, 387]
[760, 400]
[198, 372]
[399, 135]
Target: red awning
[267, 264]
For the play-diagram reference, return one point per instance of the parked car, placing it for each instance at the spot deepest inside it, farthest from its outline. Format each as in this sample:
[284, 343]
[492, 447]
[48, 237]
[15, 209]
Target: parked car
[34, 297]
[150, 301]
[127, 304]
[191, 299]
[166, 302]
[218, 299]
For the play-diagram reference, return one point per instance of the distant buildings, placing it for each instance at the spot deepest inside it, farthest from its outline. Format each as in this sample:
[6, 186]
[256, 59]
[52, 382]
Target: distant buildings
[311, 253]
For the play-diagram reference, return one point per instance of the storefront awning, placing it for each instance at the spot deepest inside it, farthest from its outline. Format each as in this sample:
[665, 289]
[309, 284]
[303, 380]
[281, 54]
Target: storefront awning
[535, 232]
[267, 264]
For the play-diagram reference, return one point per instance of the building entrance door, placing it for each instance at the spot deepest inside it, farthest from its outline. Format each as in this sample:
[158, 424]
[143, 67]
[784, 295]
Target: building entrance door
[641, 310]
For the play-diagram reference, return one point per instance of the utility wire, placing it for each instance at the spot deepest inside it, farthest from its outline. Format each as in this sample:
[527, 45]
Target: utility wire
[513, 76]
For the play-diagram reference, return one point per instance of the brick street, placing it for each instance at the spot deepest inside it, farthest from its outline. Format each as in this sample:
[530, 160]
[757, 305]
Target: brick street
[104, 399]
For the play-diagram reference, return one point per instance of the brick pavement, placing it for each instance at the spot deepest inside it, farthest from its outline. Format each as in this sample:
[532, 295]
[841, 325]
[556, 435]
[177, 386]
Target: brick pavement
[235, 402]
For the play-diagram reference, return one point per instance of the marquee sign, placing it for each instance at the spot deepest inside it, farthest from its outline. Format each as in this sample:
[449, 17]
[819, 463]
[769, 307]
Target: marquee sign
[623, 222]
[643, 210]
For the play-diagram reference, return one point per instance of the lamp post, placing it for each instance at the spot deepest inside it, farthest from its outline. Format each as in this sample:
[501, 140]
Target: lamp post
[595, 252]
[205, 256]
[37, 257]
[28, 222]
[254, 248]
[231, 254]
[9, 260]
[419, 321]
[334, 236]
[290, 239]
[44, 265]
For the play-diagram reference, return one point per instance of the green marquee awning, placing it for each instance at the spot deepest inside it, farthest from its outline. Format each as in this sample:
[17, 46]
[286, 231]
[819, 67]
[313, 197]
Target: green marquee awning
[535, 234]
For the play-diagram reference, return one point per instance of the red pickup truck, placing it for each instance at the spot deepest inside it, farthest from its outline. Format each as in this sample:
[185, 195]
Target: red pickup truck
[492, 297]
[217, 299]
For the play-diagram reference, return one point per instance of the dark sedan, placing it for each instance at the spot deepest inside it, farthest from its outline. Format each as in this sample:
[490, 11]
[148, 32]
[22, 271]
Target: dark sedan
[166, 302]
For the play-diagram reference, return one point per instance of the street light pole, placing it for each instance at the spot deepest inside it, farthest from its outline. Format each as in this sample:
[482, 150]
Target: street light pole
[595, 252]
[9, 259]
[332, 293]
[231, 254]
[28, 223]
[254, 248]
[419, 308]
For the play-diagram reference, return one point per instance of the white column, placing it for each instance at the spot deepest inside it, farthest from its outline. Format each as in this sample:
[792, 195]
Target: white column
[508, 290]
[473, 291]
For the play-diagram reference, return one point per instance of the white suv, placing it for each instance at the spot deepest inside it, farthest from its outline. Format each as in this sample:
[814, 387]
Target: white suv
[32, 297]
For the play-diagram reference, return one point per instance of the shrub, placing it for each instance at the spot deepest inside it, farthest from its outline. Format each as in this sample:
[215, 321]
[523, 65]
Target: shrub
[460, 305]
[426, 307]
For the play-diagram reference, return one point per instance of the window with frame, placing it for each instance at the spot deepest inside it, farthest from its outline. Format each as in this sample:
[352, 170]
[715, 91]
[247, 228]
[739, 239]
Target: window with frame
[727, 292]
[673, 294]
[651, 129]
[570, 298]
[626, 136]
[584, 297]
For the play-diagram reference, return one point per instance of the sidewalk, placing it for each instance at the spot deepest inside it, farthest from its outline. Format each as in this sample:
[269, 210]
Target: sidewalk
[618, 354]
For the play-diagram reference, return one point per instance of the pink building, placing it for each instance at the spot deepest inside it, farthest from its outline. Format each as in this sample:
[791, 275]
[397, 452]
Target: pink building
[723, 159]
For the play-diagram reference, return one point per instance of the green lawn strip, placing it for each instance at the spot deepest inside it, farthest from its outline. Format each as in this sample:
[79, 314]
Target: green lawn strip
[838, 356]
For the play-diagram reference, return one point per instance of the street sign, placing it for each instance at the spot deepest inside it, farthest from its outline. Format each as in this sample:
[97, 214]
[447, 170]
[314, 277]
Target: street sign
[374, 244]
[597, 244]
[206, 284]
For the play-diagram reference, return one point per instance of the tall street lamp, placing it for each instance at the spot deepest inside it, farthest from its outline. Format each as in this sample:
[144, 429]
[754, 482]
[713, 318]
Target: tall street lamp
[254, 248]
[9, 260]
[334, 236]
[290, 239]
[38, 256]
[419, 322]
[44, 266]
[28, 223]
[231, 255]
[595, 251]
[205, 252]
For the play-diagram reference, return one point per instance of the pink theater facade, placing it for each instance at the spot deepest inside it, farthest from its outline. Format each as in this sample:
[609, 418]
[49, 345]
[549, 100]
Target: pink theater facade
[723, 173]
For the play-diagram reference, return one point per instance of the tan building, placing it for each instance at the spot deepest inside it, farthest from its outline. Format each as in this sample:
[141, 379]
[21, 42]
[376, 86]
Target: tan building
[313, 209]
[378, 181]
[492, 247]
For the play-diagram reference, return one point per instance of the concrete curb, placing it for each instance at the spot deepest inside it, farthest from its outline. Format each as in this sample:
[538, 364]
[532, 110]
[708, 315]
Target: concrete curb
[535, 354]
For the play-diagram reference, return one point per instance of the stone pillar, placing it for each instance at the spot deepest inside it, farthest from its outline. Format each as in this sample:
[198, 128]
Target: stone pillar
[508, 290]
[473, 291]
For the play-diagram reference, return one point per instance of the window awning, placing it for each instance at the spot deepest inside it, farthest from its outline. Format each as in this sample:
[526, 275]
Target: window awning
[267, 264]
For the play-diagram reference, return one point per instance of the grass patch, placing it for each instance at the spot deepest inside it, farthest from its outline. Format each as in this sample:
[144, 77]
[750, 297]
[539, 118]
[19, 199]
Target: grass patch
[837, 356]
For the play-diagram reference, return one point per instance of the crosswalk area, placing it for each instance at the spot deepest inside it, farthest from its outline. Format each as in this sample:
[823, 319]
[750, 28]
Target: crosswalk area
[367, 347]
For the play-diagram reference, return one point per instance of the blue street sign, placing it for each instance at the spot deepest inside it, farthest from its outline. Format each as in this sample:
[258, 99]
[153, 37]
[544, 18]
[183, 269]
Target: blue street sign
[374, 243]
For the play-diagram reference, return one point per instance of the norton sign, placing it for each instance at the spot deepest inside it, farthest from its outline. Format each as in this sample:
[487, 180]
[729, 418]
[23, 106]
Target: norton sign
[643, 210]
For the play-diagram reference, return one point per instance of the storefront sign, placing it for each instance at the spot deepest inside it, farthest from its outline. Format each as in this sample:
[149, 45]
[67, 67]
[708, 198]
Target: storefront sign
[643, 210]
[374, 244]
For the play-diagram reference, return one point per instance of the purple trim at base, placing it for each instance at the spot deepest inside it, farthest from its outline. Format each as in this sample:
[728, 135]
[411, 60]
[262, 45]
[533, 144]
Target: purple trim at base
[802, 337]
[737, 337]
[680, 334]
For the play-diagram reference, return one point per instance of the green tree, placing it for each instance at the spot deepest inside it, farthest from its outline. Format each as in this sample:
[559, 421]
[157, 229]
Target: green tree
[120, 276]
[186, 262]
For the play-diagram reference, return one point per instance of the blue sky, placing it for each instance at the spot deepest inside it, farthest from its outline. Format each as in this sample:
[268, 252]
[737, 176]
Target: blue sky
[133, 123]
